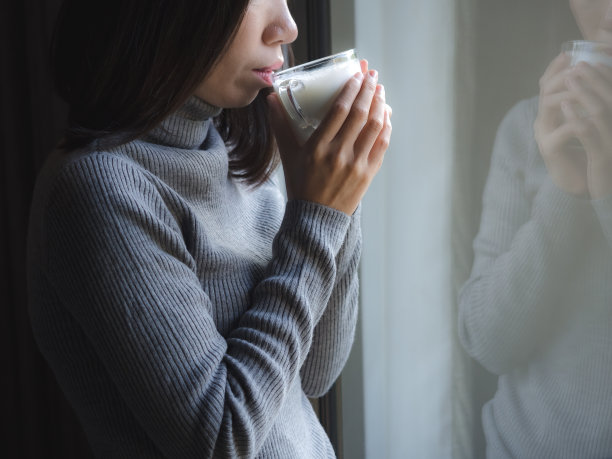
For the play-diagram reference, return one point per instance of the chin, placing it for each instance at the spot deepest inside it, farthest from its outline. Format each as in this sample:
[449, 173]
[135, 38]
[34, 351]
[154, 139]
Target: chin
[230, 101]
[238, 97]
[244, 101]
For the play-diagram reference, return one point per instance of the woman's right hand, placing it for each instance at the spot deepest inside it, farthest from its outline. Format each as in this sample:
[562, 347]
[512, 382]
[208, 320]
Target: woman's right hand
[565, 160]
[338, 162]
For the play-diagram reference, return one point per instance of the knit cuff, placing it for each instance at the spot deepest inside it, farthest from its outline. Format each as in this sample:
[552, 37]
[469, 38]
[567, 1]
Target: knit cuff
[562, 214]
[317, 220]
[356, 217]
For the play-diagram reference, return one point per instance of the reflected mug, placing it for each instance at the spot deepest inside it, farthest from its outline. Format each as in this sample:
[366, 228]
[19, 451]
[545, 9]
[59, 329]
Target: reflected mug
[308, 91]
[591, 52]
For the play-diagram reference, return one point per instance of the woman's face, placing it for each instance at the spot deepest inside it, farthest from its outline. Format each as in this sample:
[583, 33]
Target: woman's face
[247, 65]
[594, 18]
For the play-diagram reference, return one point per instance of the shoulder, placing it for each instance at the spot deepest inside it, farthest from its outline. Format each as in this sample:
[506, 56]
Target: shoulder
[86, 175]
[100, 184]
[99, 169]
[520, 118]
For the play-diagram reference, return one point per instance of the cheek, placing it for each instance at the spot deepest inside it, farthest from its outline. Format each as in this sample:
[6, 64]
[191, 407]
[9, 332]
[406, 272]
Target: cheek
[589, 15]
[228, 90]
[231, 83]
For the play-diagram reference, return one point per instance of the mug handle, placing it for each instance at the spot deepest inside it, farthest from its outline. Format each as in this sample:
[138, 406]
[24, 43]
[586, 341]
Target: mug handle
[295, 85]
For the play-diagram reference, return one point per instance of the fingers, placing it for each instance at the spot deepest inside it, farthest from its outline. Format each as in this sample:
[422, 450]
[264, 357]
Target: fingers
[558, 64]
[360, 109]
[592, 86]
[592, 90]
[587, 93]
[381, 144]
[358, 123]
[588, 135]
[550, 111]
[601, 75]
[553, 91]
[592, 100]
[557, 140]
[374, 124]
[552, 80]
[554, 84]
[569, 110]
[339, 111]
[364, 66]
[575, 128]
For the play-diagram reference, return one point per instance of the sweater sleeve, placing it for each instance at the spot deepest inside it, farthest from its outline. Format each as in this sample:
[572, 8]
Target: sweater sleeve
[334, 334]
[522, 254]
[118, 261]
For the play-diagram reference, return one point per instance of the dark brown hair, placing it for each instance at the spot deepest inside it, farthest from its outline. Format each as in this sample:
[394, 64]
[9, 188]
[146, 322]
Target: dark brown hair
[125, 65]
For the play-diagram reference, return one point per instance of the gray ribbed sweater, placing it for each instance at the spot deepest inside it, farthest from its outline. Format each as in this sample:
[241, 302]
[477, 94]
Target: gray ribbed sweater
[537, 309]
[184, 314]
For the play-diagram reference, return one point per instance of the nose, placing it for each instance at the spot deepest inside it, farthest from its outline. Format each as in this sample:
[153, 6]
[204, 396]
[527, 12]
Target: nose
[282, 29]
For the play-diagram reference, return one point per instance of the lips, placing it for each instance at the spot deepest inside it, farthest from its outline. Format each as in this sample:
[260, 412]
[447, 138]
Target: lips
[271, 68]
[267, 76]
[267, 73]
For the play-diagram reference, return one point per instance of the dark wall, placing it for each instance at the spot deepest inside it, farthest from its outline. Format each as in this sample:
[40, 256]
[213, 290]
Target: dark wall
[39, 423]
[37, 420]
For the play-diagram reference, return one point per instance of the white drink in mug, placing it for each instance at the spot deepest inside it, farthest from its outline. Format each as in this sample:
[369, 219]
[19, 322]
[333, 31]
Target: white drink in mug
[308, 91]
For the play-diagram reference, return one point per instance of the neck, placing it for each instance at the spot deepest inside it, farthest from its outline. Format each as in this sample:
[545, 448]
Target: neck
[186, 128]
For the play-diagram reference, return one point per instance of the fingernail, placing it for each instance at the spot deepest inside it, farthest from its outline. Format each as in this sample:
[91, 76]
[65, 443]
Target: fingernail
[359, 76]
[373, 74]
[380, 89]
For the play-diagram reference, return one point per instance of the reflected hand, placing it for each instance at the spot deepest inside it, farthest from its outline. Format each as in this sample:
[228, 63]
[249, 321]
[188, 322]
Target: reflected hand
[565, 160]
[589, 115]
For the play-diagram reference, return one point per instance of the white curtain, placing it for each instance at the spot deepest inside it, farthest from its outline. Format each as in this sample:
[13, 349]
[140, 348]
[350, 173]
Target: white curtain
[408, 323]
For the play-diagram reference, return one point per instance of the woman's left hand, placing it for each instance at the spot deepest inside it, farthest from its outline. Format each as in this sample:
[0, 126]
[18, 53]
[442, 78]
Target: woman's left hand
[590, 113]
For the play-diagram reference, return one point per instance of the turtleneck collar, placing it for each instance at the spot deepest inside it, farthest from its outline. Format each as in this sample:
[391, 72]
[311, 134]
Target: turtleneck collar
[186, 128]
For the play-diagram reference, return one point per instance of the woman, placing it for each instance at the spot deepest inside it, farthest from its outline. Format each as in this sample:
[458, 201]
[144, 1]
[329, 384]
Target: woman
[537, 309]
[185, 309]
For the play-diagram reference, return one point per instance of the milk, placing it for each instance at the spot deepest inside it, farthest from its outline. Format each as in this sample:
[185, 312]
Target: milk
[308, 91]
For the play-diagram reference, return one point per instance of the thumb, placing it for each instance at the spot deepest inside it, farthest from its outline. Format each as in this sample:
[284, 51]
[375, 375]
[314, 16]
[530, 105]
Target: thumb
[280, 124]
